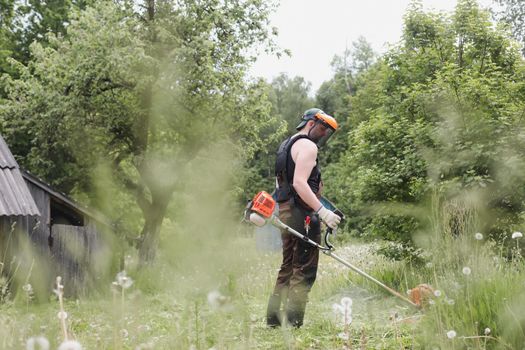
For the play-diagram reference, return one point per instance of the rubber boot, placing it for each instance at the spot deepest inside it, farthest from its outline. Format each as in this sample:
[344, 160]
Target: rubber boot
[295, 318]
[295, 312]
[273, 312]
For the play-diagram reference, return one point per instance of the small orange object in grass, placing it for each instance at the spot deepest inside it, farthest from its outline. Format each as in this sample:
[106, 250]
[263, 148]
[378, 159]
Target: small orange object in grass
[421, 294]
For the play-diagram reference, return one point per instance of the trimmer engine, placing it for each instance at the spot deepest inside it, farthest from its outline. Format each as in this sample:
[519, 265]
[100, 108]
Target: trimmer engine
[260, 208]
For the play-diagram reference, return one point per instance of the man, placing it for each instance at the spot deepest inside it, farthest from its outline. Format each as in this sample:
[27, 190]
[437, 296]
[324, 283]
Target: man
[298, 189]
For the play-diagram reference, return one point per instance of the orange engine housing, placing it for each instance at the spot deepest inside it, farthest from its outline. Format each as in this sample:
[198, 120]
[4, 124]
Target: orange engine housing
[263, 204]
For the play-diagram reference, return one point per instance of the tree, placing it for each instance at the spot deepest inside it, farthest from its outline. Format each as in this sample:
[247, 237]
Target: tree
[513, 13]
[26, 21]
[150, 90]
[440, 112]
[335, 95]
[290, 98]
[363, 56]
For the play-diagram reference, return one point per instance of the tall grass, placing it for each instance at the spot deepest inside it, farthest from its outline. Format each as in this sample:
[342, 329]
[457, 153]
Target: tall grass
[479, 284]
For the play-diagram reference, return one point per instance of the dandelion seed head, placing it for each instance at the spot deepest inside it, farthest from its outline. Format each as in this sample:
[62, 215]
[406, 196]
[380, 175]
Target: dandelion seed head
[70, 345]
[466, 271]
[62, 315]
[450, 301]
[216, 299]
[516, 235]
[451, 334]
[429, 264]
[27, 288]
[478, 236]
[127, 283]
[346, 302]
[437, 293]
[487, 331]
[338, 308]
[123, 280]
[37, 343]
[124, 333]
[343, 336]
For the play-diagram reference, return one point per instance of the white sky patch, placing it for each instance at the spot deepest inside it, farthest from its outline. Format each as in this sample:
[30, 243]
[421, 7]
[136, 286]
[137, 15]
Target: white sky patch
[316, 30]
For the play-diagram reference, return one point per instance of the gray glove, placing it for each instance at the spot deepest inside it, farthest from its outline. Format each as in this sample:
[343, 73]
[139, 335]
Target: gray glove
[329, 217]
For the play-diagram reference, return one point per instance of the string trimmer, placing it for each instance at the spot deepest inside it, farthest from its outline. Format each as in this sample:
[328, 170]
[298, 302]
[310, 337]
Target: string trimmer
[261, 210]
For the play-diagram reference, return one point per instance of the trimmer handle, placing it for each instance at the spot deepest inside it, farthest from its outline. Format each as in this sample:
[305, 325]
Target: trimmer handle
[329, 230]
[327, 243]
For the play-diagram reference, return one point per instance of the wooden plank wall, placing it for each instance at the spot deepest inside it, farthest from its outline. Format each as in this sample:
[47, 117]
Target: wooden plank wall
[40, 226]
[77, 253]
[74, 253]
[25, 259]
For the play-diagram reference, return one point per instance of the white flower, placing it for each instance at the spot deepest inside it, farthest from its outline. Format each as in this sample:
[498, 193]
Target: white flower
[343, 336]
[478, 236]
[62, 315]
[70, 345]
[346, 302]
[338, 309]
[517, 235]
[437, 293]
[37, 343]
[123, 280]
[216, 299]
[451, 334]
[466, 270]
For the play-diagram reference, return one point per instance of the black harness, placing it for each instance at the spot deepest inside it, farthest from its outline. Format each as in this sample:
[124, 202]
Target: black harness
[285, 168]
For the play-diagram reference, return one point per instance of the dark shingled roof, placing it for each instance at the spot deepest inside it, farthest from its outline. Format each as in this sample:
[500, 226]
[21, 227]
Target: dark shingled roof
[30, 178]
[15, 198]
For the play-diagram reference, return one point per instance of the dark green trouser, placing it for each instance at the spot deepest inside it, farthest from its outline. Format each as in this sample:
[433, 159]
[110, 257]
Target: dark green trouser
[298, 269]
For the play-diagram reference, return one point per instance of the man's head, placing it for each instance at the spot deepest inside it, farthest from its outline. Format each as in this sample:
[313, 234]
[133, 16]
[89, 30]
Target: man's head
[318, 125]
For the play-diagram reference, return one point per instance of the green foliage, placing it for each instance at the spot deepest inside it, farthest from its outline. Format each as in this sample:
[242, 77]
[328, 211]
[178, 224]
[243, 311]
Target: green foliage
[513, 13]
[443, 109]
[24, 22]
[335, 95]
[382, 166]
[290, 98]
[144, 94]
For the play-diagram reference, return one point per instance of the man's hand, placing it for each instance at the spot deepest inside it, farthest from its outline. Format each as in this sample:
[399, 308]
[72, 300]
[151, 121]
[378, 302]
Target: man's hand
[329, 217]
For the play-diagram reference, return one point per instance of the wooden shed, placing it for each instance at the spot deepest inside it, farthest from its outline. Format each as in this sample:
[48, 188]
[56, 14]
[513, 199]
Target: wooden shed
[45, 234]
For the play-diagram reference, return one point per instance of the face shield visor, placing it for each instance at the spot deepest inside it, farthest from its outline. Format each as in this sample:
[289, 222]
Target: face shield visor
[322, 129]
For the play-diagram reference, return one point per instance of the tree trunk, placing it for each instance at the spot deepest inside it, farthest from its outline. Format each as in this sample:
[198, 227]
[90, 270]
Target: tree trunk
[149, 237]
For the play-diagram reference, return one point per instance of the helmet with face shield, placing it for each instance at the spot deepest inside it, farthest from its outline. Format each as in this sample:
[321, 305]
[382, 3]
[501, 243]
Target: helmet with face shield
[324, 127]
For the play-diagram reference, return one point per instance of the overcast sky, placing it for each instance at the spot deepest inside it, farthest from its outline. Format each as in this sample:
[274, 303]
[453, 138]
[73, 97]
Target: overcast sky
[316, 30]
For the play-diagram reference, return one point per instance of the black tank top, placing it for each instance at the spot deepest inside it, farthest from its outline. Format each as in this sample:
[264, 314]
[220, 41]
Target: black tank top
[285, 168]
